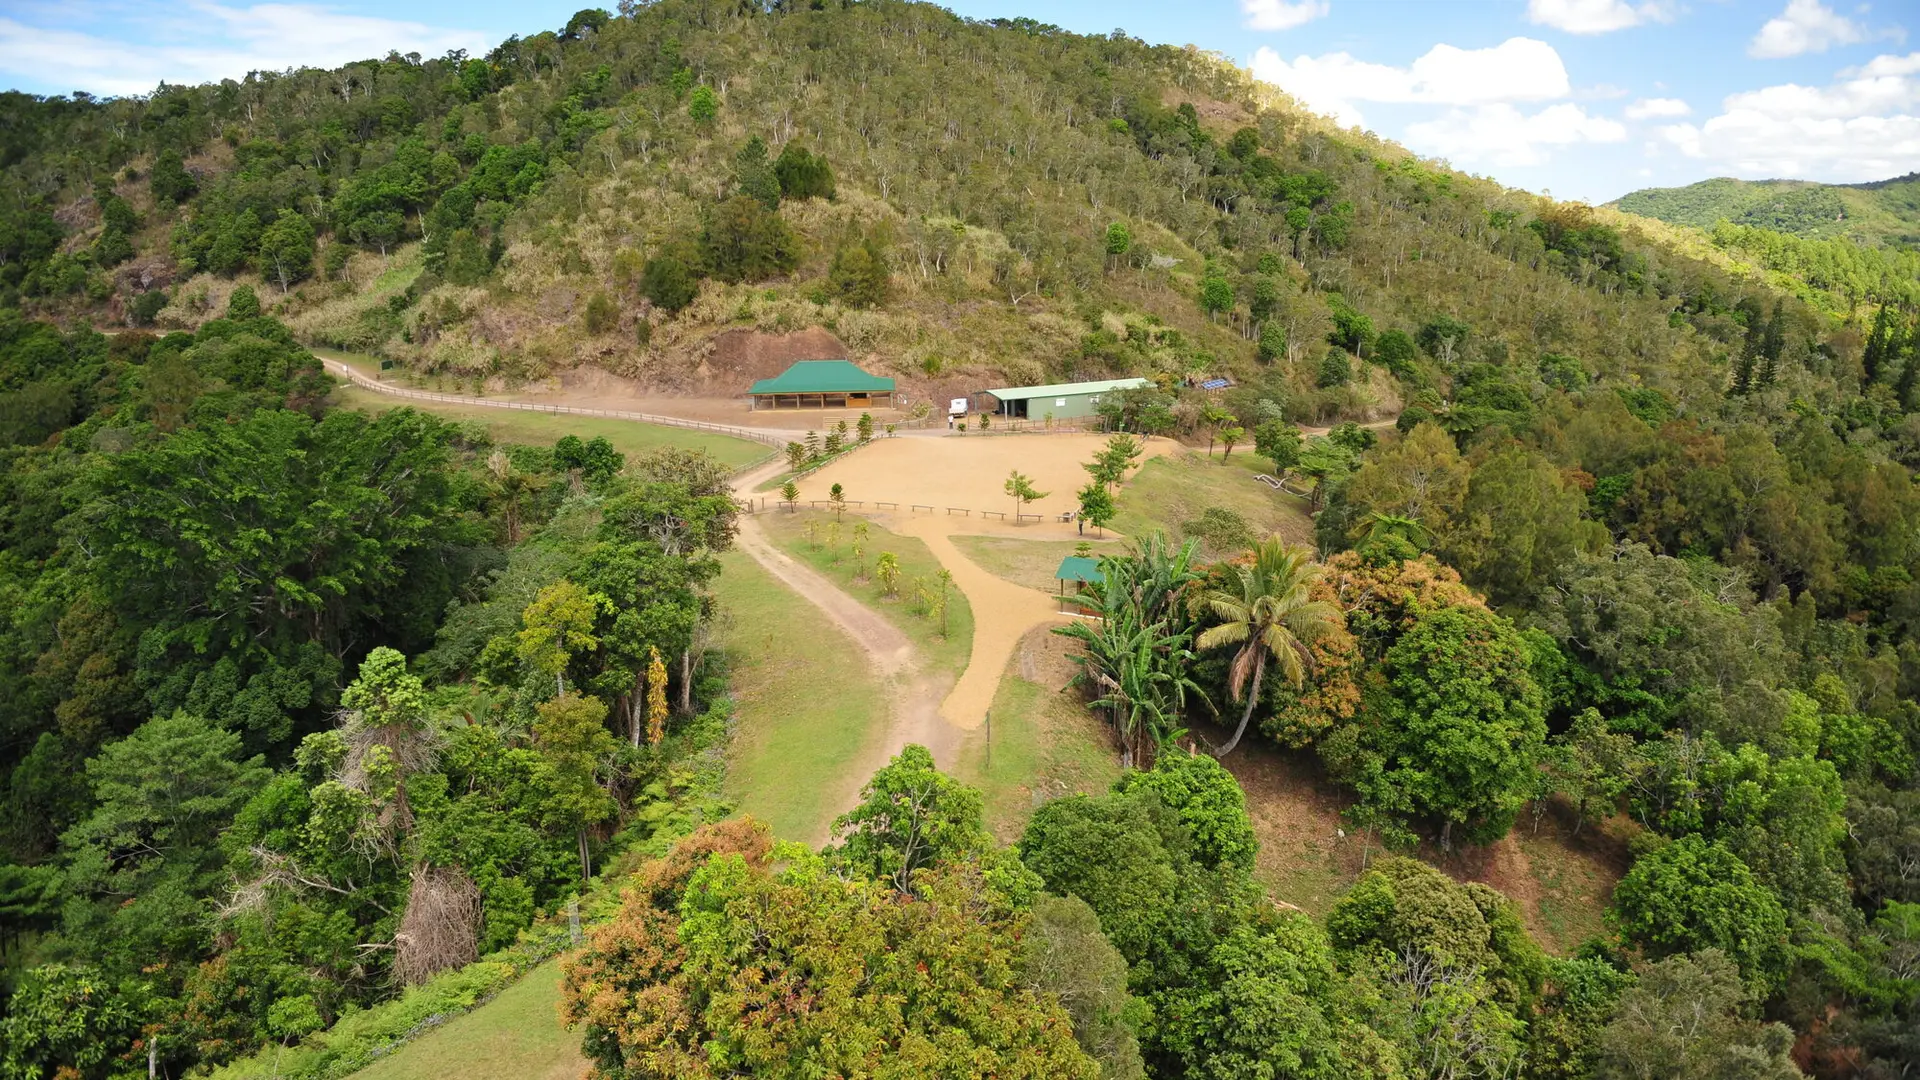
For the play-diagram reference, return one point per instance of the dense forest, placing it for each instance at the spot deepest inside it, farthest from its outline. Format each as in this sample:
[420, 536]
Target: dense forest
[306, 707]
[235, 809]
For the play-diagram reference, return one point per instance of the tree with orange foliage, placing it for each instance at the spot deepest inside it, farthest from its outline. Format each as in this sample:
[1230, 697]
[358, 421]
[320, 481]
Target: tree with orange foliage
[656, 697]
[720, 964]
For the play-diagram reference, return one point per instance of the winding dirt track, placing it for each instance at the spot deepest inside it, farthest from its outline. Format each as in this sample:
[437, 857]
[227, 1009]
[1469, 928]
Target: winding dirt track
[928, 708]
[914, 714]
[887, 649]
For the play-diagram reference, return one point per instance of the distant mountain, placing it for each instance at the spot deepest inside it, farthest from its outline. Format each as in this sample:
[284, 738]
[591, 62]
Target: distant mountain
[1886, 212]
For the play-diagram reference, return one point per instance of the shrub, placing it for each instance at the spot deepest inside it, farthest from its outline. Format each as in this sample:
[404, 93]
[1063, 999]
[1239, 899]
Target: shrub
[601, 314]
[669, 282]
[243, 303]
[145, 306]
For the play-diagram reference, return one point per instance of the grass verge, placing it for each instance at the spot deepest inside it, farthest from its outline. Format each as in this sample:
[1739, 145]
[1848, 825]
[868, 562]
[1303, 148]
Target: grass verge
[1041, 745]
[517, 1035]
[831, 555]
[805, 700]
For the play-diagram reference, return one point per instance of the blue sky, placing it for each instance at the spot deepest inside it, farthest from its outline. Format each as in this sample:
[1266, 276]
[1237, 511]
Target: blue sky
[1587, 99]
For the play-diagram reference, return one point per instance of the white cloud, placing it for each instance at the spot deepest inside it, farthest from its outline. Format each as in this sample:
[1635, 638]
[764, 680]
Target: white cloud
[1881, 66]
[1887, 84]
[1282, 14]
[1805, 26]
[1860, 127]
[1502, 136]
[1593, 16]
[1660, 107]
[1518, 69]
[208, 42]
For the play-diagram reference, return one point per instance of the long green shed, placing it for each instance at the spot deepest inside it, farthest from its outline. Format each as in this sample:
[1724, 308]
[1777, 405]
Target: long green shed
[822, 384]
[1066, 401]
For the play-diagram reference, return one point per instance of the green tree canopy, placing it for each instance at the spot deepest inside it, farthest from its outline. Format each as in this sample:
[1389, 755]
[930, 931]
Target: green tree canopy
[1453, 733]
[911, 816]
[731, 972]
[745, 241]
[1693, 894]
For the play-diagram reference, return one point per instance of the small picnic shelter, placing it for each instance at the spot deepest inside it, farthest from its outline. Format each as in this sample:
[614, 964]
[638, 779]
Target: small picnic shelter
[1080, 570]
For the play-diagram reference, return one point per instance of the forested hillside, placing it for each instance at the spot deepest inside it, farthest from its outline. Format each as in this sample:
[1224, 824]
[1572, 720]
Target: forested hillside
[951, 199]
[304, 707]
[1885, 213]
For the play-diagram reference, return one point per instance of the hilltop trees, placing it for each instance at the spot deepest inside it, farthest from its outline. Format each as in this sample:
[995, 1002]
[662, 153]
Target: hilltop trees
[286, 248]
[803, 175]
[746, 241]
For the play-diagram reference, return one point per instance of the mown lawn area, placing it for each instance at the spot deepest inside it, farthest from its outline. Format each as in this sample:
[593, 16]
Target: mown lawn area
[630, 437]
[811, 536]
[1170, 491]
[516, 1036]
[806, 702]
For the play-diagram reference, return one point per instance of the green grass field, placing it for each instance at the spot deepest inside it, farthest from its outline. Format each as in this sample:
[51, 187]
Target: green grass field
[630, 437]
[835, 561]
[516, 1036]
[806, 701]
[1169, 491]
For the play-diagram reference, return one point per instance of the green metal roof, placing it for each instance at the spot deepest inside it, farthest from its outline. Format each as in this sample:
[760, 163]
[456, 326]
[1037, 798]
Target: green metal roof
[1021, 393]
[823, 377]
[1079, 568]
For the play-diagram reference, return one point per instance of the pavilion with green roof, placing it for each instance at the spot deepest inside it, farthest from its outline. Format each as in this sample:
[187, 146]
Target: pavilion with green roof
[1081, 571]
[823, 384]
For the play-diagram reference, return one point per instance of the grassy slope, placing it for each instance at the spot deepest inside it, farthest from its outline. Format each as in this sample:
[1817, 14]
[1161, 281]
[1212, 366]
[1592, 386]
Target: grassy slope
[1169, 491]
[516, 1036]
[806, 700]
[544, 429]
[1561, 882]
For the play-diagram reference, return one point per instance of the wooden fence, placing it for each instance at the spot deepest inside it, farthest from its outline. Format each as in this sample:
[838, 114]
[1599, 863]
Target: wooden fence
[378, 387]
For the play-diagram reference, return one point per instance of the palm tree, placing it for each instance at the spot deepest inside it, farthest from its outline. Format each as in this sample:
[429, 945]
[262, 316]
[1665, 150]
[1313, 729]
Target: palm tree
[1266, 610]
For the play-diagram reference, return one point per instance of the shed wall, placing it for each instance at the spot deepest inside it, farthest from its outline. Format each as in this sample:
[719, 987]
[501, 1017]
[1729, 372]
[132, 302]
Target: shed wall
[1065, 407]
